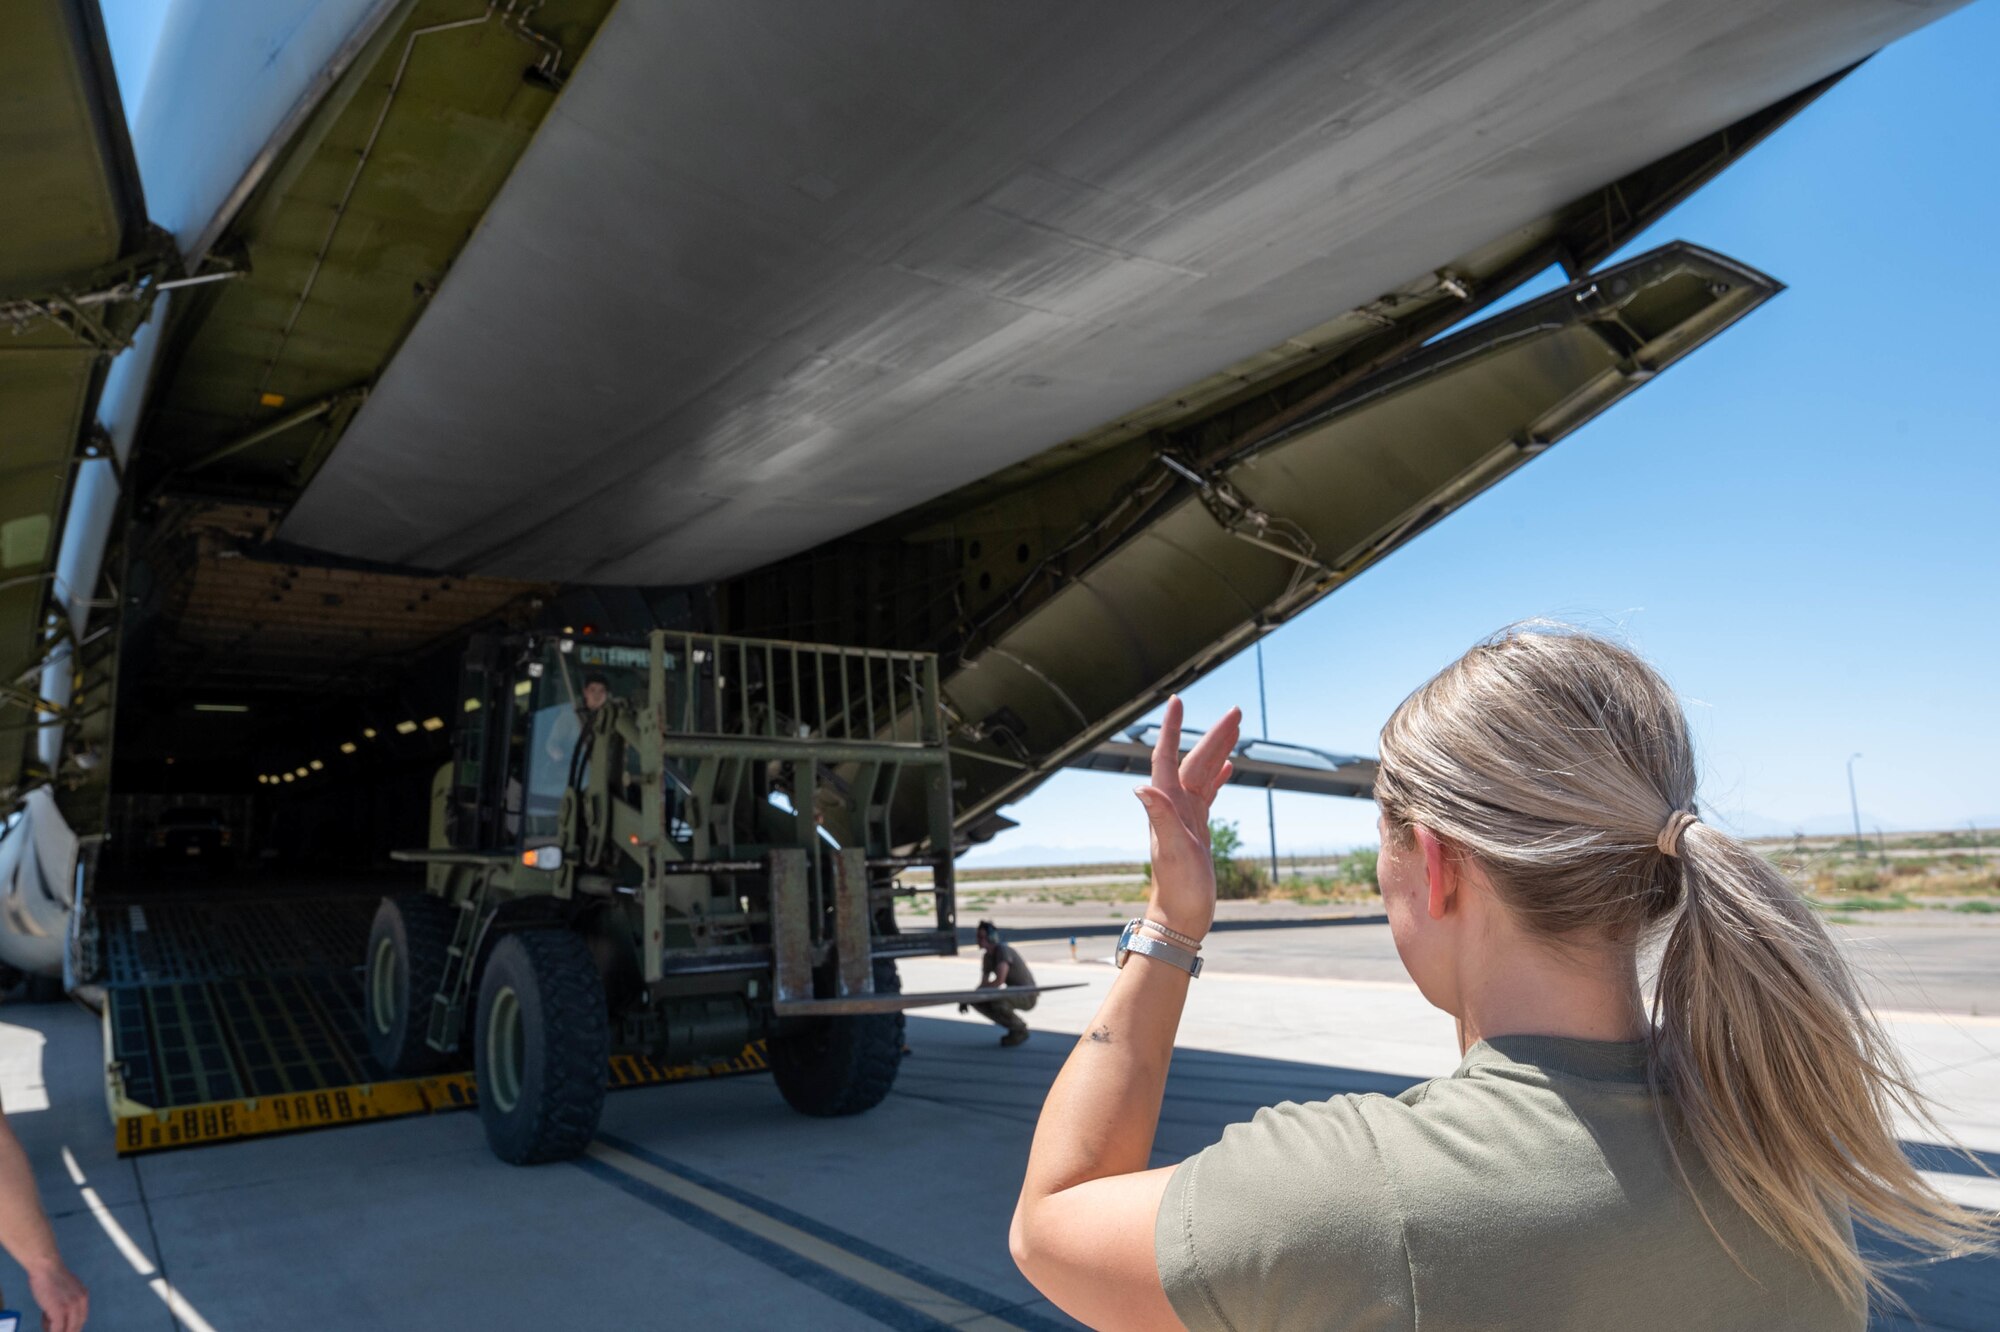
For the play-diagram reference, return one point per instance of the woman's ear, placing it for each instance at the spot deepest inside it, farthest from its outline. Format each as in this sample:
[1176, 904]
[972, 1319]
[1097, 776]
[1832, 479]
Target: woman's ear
[1440, 872]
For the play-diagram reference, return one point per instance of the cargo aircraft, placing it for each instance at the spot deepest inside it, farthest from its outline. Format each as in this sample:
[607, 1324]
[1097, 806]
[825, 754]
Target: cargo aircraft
[1078, 345]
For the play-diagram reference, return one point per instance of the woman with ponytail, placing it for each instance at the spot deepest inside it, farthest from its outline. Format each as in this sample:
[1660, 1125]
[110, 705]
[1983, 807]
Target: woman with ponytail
[1700, 1159]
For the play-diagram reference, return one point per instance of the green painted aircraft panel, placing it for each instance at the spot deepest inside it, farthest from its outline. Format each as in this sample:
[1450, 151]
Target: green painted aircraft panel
[67, 207]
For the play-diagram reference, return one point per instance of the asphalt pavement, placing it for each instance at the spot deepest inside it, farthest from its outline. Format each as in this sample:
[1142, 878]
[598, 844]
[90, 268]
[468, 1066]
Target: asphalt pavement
[711, 1204]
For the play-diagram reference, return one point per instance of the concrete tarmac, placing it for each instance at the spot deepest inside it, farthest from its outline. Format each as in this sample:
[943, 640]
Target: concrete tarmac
[713, 1205]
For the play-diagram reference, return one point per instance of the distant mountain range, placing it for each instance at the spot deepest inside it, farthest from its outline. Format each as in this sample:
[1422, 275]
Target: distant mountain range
[1001, 854]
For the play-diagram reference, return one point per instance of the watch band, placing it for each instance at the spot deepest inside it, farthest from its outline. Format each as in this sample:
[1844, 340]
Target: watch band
[1159, 950]
[1170, 934]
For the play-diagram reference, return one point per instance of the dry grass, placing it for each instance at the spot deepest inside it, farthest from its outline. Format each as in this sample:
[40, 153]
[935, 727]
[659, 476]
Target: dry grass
[1893, 874]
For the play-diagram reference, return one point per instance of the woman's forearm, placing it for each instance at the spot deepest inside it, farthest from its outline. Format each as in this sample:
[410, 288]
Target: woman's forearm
[1101, 1114]
[1083, 1229]
[24, 1227]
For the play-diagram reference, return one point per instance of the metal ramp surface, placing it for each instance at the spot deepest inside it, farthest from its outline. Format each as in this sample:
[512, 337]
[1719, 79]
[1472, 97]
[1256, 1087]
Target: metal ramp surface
[238, 1018]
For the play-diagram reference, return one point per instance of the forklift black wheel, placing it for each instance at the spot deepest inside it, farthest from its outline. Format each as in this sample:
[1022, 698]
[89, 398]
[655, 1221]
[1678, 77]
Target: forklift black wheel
[542, 1048]
[841, 1065]
[406, 952]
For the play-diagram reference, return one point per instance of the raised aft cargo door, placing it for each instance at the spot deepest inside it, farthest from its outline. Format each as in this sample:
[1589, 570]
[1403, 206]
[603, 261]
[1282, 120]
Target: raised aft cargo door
[1250, 534]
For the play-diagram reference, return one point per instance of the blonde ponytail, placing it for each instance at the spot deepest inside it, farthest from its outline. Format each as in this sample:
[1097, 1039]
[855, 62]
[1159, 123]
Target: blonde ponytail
[1561, 762]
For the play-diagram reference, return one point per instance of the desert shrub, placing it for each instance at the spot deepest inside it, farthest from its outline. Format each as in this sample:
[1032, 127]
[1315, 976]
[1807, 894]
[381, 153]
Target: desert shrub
[1234, 878]
[1358, 867]
[1856, 880]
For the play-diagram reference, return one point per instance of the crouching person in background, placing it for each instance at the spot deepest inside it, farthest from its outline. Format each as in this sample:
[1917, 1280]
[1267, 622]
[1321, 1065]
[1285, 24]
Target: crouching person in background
[1001, 968]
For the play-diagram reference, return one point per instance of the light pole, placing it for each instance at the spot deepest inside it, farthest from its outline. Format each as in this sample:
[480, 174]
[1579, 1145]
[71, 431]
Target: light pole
[1270, 801]
[1860, 847]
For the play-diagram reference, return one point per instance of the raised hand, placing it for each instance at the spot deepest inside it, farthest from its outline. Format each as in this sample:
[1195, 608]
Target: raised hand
[1177, 802]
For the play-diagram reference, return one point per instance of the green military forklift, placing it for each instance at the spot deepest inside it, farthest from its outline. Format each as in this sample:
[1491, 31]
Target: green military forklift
[670, 847]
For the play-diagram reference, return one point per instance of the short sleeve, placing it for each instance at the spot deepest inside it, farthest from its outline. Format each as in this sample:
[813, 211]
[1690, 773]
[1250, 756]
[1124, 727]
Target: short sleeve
[1289, 1221]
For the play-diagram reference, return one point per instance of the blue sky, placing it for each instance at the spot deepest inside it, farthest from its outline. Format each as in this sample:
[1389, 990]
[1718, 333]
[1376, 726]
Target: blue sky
[1797, 523]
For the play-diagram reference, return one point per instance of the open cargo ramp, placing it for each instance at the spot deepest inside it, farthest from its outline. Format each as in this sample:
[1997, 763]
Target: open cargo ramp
[236, 1018]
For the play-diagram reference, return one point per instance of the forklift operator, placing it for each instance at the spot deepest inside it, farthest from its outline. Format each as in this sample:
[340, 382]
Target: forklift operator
[569, 724]
[1002, 968]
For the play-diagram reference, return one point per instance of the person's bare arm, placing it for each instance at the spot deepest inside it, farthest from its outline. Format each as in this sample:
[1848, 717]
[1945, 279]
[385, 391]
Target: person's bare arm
[1083, 1229]
[28, 1239]
[1000, 970]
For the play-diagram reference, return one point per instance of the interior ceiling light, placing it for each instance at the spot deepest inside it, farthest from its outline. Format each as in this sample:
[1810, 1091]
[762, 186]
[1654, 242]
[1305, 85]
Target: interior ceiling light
[222, 707]
[524, 688]
[261, 779]
[301, 771]
[472, 705]
[315, 765]
[288, 777]
[367, 733]
[405, 727]
[347, 746]
[433, 723]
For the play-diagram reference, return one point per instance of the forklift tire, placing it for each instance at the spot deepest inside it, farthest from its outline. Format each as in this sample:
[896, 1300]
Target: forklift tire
[406, 954]
[542, 1047]
[841, 1065]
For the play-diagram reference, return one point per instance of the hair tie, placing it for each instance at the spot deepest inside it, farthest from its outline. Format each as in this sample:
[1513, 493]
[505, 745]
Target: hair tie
[1676, 827]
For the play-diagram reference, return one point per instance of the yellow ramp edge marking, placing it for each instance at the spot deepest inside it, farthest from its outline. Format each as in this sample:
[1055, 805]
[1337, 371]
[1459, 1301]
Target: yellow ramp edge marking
[141, 1128]
[904, 1290]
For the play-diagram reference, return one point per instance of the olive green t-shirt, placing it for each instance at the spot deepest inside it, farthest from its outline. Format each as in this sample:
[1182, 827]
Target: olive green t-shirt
[1017, 966]
[1532, 1188]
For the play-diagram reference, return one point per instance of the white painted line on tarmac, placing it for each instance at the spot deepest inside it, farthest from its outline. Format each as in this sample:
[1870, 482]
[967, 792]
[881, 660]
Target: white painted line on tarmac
[1967, 1190]
[182, 1309]
[122, 1240]
[1935, 1019]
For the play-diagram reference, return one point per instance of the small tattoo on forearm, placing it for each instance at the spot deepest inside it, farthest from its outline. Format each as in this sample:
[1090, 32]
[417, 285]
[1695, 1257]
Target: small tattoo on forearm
[1101, 1036]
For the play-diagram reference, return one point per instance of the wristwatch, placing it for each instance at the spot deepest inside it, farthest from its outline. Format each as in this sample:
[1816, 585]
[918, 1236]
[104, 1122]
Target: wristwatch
[1131, 941]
